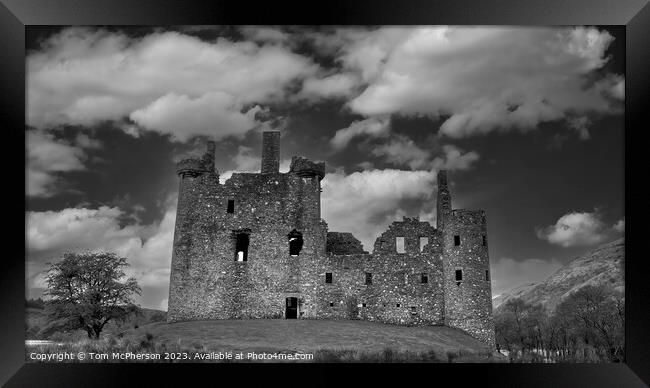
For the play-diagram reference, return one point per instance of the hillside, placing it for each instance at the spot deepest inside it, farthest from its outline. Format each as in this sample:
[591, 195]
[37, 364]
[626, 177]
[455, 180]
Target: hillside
[601, 266]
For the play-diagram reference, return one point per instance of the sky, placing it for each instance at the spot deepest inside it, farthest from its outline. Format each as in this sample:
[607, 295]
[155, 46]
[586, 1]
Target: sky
[528, 122]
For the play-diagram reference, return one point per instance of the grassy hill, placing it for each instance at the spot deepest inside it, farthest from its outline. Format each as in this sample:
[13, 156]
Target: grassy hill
[330, 340]
[326, 340]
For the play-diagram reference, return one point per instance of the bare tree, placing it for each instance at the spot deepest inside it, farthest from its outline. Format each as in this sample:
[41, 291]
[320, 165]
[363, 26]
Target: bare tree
[86, 291]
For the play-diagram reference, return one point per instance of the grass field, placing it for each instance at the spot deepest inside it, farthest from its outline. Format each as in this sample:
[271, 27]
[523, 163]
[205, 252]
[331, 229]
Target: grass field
[308, 335]
[326, 340]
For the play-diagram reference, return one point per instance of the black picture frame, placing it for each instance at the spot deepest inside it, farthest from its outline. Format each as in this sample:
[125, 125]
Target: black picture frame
[15, 15]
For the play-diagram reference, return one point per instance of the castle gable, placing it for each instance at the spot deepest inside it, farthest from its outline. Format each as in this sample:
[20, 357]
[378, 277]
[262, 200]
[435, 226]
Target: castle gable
[343, 244]
[408, 236]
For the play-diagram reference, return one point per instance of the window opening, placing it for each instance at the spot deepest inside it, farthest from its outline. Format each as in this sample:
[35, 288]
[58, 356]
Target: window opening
[241, 247]
[399, 243]
[423, 242]
[295, 243]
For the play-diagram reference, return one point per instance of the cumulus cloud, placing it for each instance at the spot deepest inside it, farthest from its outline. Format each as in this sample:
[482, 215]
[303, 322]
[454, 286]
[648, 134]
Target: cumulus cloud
[480, 79]
[333, 86]
[366, 202]
[619, 226]
[85, 76]
[483, 78]
[509, 273]
[577, 229]
[580, 125]
[147, 247]
[210, 114]
[402, 151]
[375, 126]
[265, 34]
[48, 156]
[615, 86]
[455, 159]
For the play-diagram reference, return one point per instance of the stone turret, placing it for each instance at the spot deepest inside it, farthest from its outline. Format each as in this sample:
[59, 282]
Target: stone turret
[196, 167]
[306, 168]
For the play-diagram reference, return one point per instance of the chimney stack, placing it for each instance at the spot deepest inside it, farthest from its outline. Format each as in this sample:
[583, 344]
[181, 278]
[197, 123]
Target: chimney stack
[270, 152]
[208, 157]
[444, 200]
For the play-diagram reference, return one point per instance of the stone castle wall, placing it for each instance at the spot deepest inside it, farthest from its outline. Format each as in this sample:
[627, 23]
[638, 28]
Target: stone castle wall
[411, 284]
[396, 293]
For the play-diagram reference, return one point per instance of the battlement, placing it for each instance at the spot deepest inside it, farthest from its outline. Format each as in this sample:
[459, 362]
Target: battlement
[476, 216]
[192, 167]
[306, 168]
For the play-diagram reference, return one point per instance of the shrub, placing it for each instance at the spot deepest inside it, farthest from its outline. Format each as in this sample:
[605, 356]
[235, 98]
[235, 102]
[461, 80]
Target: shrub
[430, 356]
[147, 342]
[388, 355]
[451, 355]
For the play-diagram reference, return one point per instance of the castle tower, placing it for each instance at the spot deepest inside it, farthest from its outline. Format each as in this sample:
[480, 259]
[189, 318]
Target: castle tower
[193, 173]
[467, 278]
[311, 174]
[270, 152]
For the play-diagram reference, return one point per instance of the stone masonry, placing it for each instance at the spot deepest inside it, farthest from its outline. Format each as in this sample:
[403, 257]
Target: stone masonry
[256, 247]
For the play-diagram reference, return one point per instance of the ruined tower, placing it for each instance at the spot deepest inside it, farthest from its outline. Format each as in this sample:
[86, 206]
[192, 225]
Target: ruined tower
[468, 285]
[255, 246]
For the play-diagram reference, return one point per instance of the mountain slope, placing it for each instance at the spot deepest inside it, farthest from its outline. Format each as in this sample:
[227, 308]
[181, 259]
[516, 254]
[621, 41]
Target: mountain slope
[603, 265]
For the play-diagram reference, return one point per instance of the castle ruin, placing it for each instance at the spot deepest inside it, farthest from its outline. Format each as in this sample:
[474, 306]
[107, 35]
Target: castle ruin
[255, 246]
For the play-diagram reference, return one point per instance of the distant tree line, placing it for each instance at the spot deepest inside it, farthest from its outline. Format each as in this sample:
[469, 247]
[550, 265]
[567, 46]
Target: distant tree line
[35, 303]
[587, 326]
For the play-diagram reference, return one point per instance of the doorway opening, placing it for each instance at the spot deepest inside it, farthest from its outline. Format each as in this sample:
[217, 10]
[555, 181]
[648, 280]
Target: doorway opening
[291, 308]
